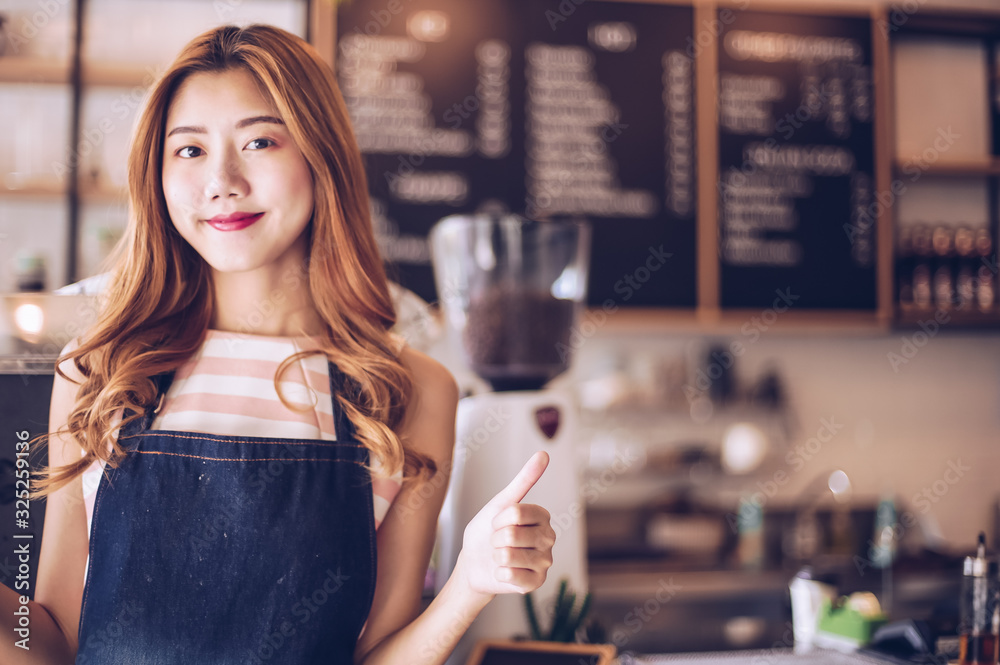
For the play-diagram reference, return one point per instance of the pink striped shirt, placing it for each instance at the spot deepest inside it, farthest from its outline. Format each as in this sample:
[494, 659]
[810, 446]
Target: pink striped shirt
[227, 388]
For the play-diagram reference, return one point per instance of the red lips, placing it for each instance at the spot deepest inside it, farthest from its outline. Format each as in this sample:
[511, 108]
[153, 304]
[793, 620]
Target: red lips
[234, 221]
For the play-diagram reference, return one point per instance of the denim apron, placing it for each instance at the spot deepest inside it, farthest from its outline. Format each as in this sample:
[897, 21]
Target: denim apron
[219, 550]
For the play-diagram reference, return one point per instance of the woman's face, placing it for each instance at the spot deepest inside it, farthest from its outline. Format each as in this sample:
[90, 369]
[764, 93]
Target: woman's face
[236, 185]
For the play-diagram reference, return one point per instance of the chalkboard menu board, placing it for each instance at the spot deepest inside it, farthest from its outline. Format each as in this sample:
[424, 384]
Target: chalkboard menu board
[540, 107]
[796, 161]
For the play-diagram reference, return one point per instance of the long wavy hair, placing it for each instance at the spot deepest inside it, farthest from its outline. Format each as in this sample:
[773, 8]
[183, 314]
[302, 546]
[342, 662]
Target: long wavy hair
[160, 299]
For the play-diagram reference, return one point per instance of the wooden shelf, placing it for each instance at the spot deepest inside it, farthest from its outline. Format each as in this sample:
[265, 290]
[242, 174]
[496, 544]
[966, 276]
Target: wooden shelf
[104, 194]
[126, 76]
[34, 190]
[910, 317]
[966, 167]
[736, 322]
[634, 320]
[33, 70]
[88, 194]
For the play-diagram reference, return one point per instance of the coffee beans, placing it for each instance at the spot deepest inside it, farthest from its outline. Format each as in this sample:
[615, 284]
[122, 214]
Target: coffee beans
[512, 333]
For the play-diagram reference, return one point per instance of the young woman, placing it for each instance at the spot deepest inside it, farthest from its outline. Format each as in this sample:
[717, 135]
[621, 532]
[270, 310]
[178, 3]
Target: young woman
[247, 466]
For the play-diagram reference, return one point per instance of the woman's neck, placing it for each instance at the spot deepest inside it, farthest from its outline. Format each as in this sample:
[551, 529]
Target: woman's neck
[265, 302]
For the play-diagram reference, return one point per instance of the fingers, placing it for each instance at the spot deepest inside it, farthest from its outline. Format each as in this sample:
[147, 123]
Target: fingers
[520, 514]
[523, 557]
[523, 554]
[521, 580]
[524, 536]
[523, 481]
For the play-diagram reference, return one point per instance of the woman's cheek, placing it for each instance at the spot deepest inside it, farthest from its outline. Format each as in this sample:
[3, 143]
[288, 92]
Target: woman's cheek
[180, 192]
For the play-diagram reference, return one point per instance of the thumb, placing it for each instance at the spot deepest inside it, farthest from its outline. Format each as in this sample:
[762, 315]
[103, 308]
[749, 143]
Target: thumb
[523, 481]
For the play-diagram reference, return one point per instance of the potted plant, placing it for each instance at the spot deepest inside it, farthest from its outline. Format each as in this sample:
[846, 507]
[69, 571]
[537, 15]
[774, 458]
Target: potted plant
[566, 619]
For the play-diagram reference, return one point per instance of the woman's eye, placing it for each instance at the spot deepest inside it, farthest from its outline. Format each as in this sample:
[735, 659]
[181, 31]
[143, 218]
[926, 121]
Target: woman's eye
[257, 142]
[183, 152]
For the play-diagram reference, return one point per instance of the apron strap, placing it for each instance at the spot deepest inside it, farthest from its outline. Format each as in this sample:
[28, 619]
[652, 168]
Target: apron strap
[341, 384]
[162, 383]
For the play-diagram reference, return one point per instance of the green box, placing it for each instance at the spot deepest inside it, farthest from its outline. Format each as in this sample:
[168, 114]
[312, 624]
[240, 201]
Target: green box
[839, 619]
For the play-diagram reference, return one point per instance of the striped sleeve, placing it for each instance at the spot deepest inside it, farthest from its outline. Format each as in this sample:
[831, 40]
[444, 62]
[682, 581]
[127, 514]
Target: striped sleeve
[384, 491]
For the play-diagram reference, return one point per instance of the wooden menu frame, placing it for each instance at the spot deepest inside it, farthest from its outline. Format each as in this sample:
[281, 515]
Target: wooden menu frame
[606, 653]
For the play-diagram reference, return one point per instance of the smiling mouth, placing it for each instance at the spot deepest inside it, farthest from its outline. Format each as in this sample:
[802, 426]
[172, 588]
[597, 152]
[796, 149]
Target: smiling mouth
[234, 223]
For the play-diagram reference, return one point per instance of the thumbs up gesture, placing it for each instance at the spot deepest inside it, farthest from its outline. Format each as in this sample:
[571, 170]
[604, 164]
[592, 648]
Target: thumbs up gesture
[507, 546]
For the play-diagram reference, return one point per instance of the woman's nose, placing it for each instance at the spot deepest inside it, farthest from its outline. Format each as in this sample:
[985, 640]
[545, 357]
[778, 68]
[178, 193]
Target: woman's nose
[225, 178]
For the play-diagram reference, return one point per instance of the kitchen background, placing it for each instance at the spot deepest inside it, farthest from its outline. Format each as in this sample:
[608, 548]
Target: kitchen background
[905, 404]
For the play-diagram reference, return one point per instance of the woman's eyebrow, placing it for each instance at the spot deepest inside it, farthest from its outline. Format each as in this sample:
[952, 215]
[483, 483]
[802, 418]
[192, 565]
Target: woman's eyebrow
[245, 122]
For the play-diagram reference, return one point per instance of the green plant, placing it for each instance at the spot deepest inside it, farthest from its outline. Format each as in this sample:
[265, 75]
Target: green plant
[564, 621]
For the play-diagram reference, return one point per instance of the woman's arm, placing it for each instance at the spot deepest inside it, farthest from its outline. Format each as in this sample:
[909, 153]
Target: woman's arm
[507, 546]
[54, 615]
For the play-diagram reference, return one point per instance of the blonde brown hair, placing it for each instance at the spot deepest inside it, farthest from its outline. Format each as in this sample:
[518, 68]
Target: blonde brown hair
[160, 299]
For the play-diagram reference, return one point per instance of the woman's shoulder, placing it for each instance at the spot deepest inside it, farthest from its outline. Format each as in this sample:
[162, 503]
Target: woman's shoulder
[429, 423]
[427, 373]
[430, 377]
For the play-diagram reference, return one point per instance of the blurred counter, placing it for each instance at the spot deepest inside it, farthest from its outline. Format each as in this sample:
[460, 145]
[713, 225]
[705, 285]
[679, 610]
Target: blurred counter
[26, 375]
[655, 607]
[18, 357]
[777, 656]
[668, 600]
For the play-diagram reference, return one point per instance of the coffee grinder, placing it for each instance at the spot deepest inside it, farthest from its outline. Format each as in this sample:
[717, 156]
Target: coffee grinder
[512, 290]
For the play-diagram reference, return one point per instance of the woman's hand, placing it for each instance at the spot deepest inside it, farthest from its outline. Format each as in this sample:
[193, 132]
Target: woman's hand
[507, 546]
